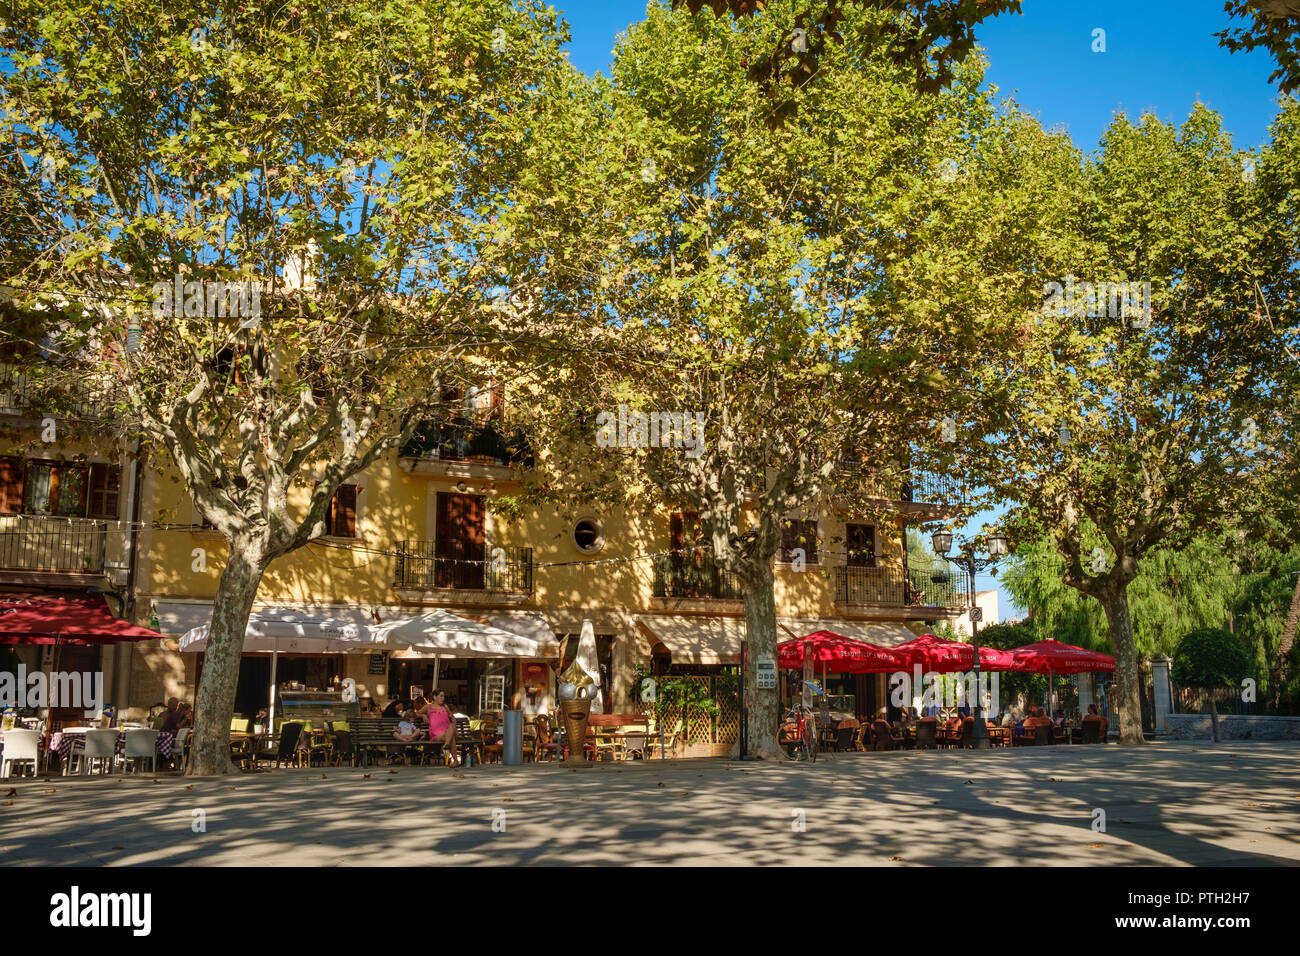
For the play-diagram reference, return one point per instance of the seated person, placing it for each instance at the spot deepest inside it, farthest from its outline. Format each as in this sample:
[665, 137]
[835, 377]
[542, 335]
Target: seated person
[1092, 714]
[442, 725]
[369, 708]
[954, 724]
[905, 719]
[396, 707]
[406, 729]
[1036, 720]
[182, 716]
[964, 710]
[1058, 718]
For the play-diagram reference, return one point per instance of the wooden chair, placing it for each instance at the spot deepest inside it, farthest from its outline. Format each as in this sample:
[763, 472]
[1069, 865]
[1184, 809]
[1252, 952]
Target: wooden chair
[528, 742]
[546, 743]
[1091, 731]
[884, 737]
[493, 749]
[927, 731]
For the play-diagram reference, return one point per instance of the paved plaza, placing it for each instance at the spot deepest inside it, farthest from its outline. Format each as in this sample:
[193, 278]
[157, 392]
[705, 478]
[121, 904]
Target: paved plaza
[1166, 804]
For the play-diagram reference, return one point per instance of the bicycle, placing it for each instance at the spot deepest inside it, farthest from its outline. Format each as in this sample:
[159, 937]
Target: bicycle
[801, 744]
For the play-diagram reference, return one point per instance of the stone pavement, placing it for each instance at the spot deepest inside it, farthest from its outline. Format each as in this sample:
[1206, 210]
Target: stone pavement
[1168, 804]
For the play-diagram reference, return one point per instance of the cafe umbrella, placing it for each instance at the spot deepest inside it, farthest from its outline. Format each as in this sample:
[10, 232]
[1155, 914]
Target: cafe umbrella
[291, 630]
[1055, 657]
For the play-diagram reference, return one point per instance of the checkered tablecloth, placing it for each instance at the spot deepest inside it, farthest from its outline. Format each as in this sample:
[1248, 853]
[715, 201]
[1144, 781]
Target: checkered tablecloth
[64, 744]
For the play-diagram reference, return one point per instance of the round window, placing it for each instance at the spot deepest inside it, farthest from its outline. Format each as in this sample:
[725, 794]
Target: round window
[588, 535]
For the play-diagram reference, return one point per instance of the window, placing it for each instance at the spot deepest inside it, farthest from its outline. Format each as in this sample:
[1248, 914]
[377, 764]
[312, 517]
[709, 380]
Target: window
[799, 533]
[588, 535]
[53, 488]
[860, 541]
[341, 517]
[59, 488]
[105, 491]
[11, 486]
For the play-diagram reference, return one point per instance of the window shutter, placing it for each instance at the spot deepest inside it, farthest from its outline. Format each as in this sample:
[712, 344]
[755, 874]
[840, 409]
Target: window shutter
[105, 491]
[11, 485]
[343, 512]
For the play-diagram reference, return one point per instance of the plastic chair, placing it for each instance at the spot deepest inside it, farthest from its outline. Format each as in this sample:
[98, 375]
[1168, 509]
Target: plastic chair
[20, 746]
[101, 745]
[180, 747]
[141, 745]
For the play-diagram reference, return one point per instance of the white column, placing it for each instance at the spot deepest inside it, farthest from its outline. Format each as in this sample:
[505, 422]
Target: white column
[1163, 699]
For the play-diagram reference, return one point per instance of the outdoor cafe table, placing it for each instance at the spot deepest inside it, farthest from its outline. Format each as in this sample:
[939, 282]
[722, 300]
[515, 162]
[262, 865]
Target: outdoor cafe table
[73, 740]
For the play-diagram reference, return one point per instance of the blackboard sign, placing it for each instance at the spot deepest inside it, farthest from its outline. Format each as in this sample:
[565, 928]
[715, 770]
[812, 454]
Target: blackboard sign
[377, 664]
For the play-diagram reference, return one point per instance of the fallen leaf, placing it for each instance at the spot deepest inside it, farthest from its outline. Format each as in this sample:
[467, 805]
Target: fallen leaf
[155, 780]
[970, 782]
[366, 776]
[659, 784]
[13, 792]
[392, 771]
[1053, 779]
[322, 776]
[189, 786]
[1095, 846]
[9, 803]
[683, 793]
[115, 848]
[507, 799]
[1250, 804]
[49, 789]
[895, 859]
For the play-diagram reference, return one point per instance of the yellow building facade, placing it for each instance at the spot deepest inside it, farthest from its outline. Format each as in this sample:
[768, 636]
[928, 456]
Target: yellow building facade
[419, 530]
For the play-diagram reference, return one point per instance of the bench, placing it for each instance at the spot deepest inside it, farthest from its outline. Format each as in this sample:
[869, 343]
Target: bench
[376, 733]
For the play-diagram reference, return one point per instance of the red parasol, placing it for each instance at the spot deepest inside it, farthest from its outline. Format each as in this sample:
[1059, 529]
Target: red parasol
[837, 654]
[943, 656]
[76, 619]
[1051, 656]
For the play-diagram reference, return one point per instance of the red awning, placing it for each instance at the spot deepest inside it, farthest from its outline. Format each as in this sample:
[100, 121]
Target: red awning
[74, 619]
[943, 656]
[837, 654]
[1059, 658]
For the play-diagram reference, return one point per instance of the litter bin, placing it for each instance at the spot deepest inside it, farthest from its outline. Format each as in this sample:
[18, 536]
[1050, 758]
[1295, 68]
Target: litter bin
[513, 748]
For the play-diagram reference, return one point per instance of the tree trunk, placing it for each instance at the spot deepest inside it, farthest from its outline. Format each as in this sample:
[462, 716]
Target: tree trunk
[1285, 644]
[1115, 600]
[215, 706]
[761, 639]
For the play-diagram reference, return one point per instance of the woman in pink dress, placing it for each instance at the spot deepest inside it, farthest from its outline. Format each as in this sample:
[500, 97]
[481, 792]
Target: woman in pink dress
[441, 725]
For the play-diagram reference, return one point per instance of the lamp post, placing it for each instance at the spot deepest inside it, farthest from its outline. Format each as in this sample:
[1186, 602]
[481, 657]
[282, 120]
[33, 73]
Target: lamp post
[997, 545]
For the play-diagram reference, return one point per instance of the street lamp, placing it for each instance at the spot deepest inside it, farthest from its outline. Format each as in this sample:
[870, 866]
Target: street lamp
[997, 545]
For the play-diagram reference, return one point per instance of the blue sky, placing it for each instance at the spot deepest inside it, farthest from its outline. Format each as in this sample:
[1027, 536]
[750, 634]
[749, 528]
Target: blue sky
[1160, 56]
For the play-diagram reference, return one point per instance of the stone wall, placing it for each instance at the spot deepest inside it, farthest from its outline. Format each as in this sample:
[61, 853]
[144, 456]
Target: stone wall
[1233, 727]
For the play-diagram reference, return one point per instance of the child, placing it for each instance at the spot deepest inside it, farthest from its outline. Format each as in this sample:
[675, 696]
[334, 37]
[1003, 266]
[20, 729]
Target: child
[406, 729]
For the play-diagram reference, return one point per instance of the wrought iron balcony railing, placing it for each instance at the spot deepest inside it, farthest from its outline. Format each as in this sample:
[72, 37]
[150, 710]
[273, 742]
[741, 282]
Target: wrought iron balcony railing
[913, 485]
[22, 394]
[421, 568]
[463, 440]
[897, 587]
[691, 575]
[62, 545]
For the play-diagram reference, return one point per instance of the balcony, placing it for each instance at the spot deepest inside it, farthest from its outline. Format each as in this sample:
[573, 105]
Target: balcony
[695, 577]
[911, 486]
[22, 394]
[898, 587]
[461, 440]
[419, 568]
[37, 549]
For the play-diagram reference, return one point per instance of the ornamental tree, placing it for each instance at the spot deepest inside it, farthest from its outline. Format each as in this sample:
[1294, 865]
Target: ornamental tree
[1136, 430]
[343, 165]
[796, 284]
